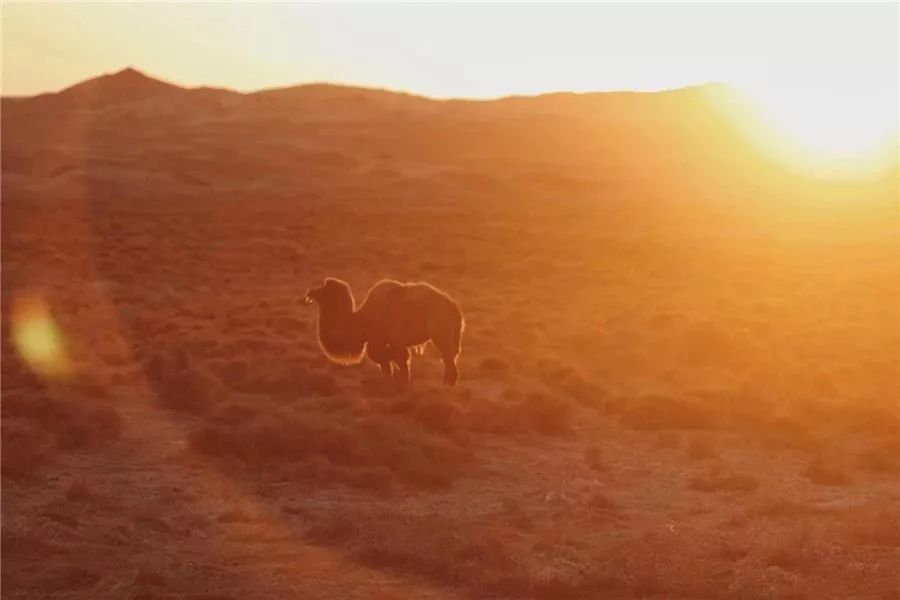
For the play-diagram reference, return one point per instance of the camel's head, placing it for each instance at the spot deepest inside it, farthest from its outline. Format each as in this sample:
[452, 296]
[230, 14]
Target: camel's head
[313, 294]
[332, 293]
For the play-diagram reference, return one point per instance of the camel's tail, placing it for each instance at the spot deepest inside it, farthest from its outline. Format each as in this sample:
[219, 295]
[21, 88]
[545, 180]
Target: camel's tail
[457, 334]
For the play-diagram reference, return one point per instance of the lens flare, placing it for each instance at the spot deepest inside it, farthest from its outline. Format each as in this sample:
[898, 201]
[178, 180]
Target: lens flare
[38, 339]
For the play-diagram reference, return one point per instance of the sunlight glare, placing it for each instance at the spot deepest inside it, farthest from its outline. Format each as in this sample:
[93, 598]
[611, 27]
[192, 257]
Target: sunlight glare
[826, 130]
[38, 339]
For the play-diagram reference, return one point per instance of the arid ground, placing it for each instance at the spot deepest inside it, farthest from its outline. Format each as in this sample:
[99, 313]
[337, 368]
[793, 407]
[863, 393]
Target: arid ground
[679, 375]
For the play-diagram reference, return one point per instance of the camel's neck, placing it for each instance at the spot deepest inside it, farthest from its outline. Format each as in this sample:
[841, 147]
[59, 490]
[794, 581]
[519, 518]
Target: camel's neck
[340, 333]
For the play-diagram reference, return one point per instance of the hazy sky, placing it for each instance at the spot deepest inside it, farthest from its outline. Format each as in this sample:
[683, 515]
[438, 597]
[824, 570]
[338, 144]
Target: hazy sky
[799, 57]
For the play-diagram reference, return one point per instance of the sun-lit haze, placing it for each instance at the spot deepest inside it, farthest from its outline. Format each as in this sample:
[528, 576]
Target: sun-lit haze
[824, 74]
[559, 340]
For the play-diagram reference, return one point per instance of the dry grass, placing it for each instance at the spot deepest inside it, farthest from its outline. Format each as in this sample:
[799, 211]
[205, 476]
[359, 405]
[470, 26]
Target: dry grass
[600, 501]
[39, 423]
[701, 448]
[791, 551]
[482, 557]
[494, 368]
[668, 439]
[362, 450]
[882, 458]
[78, 491]
[593, 457]
[660, 412]
[652, 359]
[872, 526]
[823, 472]
[718, 482]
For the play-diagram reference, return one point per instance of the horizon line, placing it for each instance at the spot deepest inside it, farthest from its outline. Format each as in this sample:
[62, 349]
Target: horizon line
[439, 98]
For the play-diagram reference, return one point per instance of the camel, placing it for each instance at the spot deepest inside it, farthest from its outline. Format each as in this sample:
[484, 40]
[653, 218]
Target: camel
[394, 318]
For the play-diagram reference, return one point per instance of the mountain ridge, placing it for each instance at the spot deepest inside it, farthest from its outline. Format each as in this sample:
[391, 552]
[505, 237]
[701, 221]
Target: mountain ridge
[128, 82]
[127, 125]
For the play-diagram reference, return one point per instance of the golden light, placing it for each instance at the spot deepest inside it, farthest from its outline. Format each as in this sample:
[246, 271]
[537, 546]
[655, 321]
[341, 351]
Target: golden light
[821, 77]
[38, 339]
[825, 130]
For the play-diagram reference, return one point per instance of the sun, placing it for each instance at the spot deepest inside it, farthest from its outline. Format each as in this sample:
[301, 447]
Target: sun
[827, 129]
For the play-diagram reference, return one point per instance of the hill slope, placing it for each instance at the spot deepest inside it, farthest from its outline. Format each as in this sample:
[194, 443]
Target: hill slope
[301, 135]
[678, 378]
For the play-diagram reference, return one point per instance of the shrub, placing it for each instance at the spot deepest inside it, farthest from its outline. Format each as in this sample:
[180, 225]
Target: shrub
[89, 429]
[701, 448]
[783, 508]
[664, 412]
[73, 422]
[431, 546]
[615, 405]
[715, 482]
[873, 526]
[547, 414]
[378, 479]
[500, 417]
[667, 439]
[586, 393]
[365, 451]
[181, 384]
[494, 368]
[791, 551]
[24, 447]
[593, 457]
[78, 490]
[884, 458]
[819, 471]
[872, 420]
[600, 501]
[707, 344]
[438, 414]
[321, 384]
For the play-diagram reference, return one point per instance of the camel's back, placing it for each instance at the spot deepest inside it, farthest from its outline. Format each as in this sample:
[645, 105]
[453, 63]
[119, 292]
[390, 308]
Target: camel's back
[383, 293]
[413, 304]
[421, 293]
[388, 291]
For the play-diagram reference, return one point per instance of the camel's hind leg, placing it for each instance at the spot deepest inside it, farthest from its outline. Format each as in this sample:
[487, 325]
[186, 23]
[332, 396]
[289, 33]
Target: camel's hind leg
[449, 350]
[451, 373]
[446, 329]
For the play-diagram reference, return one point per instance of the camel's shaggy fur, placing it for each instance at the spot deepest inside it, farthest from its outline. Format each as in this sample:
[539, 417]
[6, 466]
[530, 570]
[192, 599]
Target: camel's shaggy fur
[394, 318]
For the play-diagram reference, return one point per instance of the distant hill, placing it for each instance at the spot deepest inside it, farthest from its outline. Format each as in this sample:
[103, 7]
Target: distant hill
[129, 135]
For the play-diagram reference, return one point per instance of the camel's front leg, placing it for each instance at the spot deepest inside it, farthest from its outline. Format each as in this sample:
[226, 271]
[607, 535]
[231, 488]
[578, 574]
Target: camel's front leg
[387, 369]
[380, 354]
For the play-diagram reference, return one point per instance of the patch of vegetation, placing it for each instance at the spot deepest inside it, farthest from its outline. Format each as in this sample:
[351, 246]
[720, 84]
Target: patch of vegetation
[716, 482]
[369, 451]
[701, 448]
[593, 457]
[38, 423]
[824, 473]
[665, 412]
